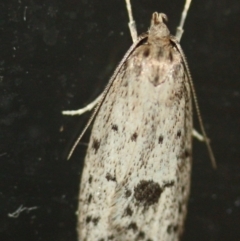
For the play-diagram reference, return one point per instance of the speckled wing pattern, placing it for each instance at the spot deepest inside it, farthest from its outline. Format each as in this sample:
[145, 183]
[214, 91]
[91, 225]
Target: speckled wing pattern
[136, 178]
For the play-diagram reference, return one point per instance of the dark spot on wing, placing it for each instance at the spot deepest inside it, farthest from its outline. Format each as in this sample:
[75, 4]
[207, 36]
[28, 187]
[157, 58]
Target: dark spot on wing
[155, 80]
[111, 237]
[146, 121]
[179, 134]
[110, 177]
[179, 94]
[115, 128]
[186, 153]
[160, 139]
[169, 229]
[179, 207]
[95, 144]
[128, 193]
[147, 192]
[134, 136]
[89, 198]
[90, 179]
[170, 56]
[172, 229]
[133, 226]
[141, 235]
[146, 52]
[95, 220]
[108, 117]
[128, 211]
[88, 219]
[168, 184]
[183, 189]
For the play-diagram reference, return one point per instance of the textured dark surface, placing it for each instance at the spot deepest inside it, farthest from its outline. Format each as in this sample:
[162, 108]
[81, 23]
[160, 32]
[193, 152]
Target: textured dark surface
[57, 55]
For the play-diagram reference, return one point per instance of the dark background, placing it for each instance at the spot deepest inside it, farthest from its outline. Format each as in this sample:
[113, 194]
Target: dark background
[58, 55]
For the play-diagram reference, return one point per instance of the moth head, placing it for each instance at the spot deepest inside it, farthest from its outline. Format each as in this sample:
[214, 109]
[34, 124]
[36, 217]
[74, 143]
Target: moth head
[158, 28]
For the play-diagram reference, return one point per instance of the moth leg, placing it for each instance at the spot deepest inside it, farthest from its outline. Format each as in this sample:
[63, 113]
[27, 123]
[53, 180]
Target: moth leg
[131, 23]
[81, 111]
[197, 135]
[180, 29]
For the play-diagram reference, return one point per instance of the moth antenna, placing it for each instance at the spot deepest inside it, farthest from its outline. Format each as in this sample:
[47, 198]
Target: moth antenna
[107, 88]
[131, 23]
[195, 100]
[180, 29]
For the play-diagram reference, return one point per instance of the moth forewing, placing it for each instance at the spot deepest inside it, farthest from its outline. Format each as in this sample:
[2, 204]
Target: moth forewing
[136, 178]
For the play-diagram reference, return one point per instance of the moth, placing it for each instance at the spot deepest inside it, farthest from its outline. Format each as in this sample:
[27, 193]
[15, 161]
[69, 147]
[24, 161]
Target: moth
[136, 177]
